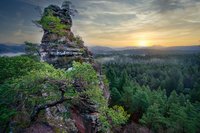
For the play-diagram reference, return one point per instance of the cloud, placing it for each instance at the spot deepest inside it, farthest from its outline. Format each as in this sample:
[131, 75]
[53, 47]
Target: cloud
[18, 14]
[20, 37]
[18, 32]
[42, 3]
[193, 21]
[114, 20]
[166, 5]
[124, 22]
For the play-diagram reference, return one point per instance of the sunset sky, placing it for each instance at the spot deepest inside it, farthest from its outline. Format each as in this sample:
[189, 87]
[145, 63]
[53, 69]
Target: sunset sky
[110, 22]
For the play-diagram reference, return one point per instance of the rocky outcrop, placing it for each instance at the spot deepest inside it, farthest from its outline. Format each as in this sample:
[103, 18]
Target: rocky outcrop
[62, 47]
[61, 50]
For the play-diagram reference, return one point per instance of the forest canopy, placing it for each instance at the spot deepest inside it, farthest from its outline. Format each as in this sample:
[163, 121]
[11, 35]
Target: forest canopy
[161, 96]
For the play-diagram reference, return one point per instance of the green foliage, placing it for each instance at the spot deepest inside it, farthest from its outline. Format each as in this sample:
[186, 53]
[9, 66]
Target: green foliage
[116, 96]
[83, 73]
[109, 117]
[166, 108]
[154, 118]
[6, 99]
[14, 67]
[24, 89]
[176, 72]
[37, 84]
[78, 40]
[31, 48]
[162, 97]
[113, 117]
[24, 86]
[127, 94]
[195, 92]
[118, 115]
[52, 24]
[140, 101]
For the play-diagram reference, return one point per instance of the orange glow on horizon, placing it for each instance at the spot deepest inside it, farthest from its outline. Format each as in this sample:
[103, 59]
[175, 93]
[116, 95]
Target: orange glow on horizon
[141, 40]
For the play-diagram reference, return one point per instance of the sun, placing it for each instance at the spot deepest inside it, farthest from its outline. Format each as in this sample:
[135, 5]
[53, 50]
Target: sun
[142, 43]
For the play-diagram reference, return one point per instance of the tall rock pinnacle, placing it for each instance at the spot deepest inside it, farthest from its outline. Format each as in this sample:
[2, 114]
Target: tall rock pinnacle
[59, 45]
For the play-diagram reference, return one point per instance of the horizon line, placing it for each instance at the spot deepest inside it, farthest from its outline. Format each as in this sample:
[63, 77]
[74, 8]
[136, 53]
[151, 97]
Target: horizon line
[117, 46]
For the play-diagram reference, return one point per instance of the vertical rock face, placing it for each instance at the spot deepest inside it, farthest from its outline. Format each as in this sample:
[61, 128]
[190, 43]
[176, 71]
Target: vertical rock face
[60, 48]
[59, 45]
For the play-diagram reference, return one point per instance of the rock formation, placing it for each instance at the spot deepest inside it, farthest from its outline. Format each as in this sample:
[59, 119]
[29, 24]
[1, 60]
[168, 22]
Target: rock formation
[60, 48]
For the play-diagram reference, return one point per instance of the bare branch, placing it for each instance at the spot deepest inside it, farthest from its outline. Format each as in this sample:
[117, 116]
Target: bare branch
[38, 108]
[62, 88]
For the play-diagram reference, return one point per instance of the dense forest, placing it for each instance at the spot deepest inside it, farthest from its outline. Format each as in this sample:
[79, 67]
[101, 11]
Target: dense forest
[162, 94]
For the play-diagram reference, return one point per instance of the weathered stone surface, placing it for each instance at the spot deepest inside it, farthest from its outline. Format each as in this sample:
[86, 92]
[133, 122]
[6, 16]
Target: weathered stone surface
[39, 128]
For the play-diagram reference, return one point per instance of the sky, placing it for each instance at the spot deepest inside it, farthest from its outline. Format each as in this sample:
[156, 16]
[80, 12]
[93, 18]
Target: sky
[114, 23]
